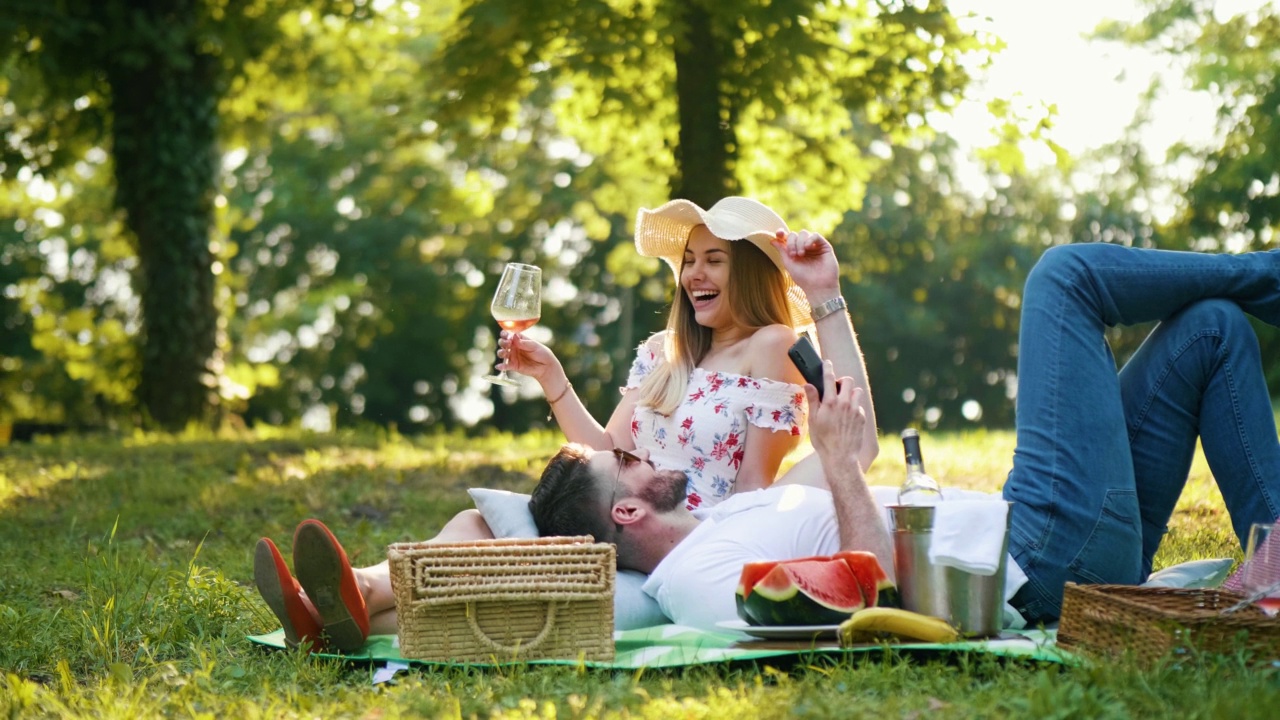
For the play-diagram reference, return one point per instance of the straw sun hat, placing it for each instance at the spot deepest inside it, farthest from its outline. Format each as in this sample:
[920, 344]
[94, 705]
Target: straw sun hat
[663, 232]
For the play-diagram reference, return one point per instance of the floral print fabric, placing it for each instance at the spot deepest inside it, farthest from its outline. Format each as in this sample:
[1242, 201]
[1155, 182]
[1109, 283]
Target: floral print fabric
[706, 435]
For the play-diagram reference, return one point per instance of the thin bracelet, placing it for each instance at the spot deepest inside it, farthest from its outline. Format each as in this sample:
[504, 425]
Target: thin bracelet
[552, 403]
[567, 386]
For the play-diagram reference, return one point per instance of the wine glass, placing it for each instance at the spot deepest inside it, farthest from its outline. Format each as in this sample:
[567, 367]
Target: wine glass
[1261, 569]
[517, 305]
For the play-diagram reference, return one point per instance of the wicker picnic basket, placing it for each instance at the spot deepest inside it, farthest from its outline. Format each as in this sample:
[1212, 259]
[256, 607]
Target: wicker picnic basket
[1150, 623]
[503, 600]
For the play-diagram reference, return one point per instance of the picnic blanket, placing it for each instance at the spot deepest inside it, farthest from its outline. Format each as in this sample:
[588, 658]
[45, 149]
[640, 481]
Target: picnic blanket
[672, 646]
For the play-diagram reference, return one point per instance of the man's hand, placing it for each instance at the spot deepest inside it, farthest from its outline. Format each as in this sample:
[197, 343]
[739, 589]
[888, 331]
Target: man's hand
[837, 422]
[837, 429]
[811, 261]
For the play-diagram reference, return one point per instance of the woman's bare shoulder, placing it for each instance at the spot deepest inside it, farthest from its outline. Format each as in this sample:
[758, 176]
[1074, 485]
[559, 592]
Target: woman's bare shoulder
[768, 354]
[656, 341]
[776, 338]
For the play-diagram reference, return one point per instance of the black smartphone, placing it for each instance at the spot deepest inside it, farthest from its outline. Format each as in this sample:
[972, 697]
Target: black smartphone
[806, 358]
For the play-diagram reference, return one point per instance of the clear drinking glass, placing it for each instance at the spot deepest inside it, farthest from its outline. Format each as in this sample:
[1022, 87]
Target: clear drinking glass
[1261, 568]
[517, 305]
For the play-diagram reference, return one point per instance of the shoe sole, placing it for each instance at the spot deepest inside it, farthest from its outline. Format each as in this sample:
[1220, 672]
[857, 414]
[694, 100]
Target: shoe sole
[319, 568]
[267, 579]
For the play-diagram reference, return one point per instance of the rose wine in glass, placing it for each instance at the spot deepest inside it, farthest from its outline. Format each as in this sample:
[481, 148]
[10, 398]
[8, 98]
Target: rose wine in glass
[517, 305]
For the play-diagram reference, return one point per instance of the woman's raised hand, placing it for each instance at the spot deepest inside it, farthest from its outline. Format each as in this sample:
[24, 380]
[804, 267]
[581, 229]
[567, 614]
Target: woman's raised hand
[811, 261]
[525, 356]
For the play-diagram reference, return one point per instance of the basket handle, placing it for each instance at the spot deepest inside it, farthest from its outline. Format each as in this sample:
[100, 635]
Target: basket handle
[511, 649]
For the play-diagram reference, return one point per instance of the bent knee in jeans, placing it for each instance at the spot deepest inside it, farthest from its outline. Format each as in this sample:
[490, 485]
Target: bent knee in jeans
[1215, 314]
[1065, 263]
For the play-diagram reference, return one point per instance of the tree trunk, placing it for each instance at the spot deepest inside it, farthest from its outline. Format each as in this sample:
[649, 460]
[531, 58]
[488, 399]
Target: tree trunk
[164, 115]
[704, 157]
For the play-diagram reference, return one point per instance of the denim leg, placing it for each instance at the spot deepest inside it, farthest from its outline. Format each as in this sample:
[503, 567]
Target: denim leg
[1199, 374]
[1076, 515]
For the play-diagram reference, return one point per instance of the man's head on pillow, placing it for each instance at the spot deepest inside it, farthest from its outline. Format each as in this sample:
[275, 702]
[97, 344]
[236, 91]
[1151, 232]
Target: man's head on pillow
[613, 496]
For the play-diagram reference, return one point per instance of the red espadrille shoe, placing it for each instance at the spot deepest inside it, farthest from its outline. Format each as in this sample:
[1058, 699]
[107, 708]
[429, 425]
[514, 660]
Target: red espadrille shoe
[330, 583]
[284, 596]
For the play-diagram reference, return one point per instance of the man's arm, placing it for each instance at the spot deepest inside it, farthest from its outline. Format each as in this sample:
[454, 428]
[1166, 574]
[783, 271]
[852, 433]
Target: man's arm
[811, 262]
[836, 425]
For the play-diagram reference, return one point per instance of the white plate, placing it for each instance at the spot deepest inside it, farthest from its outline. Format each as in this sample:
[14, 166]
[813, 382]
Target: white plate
[781, 632]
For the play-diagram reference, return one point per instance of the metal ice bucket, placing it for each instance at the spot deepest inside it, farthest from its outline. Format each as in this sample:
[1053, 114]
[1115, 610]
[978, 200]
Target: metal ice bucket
[973, 603]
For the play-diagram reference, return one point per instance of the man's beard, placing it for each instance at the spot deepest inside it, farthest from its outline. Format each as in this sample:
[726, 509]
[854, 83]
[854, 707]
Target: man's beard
[667, 492]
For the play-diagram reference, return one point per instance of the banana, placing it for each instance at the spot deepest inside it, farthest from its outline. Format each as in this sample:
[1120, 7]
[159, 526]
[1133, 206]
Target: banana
[878, 623]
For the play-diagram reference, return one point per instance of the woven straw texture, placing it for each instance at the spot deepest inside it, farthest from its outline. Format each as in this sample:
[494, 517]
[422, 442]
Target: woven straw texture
[502, 600]
[1150, 623]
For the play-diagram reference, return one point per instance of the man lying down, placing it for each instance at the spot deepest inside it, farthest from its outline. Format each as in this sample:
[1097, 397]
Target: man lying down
[694, 558]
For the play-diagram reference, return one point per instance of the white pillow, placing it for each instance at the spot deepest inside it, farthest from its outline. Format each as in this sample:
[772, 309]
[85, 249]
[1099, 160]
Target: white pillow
[508, 516]
[1208, 573]
[506, 512]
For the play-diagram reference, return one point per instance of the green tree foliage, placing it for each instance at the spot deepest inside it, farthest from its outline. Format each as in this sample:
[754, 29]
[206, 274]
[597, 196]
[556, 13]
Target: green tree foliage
[934, 277]
[714, 98]
[528, 168]
[1231, 202]
[364, 249]
[375, 173]
[696, 100]
[142, 78]
[373, 183]
[67, 315]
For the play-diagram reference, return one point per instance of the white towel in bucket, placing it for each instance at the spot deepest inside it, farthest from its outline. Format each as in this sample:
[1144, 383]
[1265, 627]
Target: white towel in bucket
[969, 535]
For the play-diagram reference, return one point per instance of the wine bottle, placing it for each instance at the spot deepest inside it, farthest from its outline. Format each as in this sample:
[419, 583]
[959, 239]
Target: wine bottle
[918, 488]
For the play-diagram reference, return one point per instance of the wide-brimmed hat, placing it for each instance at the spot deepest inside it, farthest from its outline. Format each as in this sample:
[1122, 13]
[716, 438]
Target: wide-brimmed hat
[664, 231]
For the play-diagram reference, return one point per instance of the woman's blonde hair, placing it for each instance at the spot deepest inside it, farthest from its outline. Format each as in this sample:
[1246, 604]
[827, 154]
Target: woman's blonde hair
[757, 298]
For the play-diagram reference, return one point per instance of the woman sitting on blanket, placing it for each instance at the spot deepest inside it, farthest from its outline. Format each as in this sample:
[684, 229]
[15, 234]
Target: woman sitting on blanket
[714, 396]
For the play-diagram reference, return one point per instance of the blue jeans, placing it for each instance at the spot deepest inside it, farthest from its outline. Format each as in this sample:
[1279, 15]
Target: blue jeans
[1102, 456]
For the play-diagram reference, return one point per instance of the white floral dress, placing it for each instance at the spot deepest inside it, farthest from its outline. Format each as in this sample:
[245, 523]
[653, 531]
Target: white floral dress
[705, 437]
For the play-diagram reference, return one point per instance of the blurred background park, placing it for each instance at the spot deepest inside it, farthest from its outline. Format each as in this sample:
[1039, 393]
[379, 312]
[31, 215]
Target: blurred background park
[296, 211]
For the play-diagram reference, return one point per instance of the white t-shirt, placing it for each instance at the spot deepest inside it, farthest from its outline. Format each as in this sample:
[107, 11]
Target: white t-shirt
[694, 584]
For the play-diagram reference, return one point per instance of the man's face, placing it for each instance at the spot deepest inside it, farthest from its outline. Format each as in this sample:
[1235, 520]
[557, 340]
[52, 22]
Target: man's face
[633, 475]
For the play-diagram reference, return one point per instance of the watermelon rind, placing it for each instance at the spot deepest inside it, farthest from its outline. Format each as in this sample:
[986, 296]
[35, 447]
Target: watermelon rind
[752, 572]
[808, 592]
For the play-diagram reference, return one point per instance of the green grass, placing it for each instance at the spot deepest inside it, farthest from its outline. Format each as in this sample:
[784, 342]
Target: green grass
[125, 592]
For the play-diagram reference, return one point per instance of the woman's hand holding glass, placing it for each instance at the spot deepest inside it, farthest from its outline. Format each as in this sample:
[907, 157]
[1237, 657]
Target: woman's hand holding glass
[528, 357]
[517, 305]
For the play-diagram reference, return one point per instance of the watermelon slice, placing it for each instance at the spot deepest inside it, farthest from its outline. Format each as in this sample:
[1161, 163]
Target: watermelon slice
[752, 572]
[804, 592]
[877, 588]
